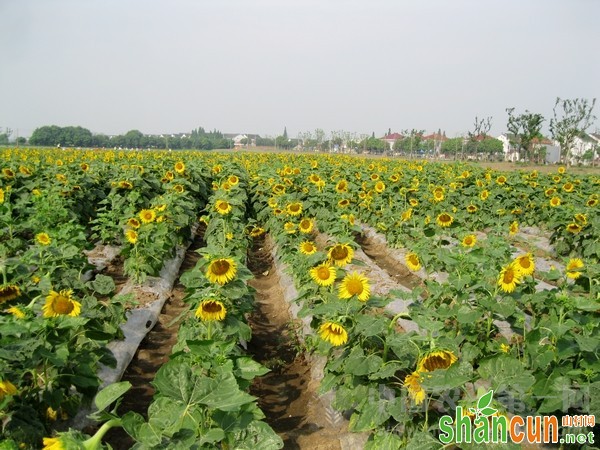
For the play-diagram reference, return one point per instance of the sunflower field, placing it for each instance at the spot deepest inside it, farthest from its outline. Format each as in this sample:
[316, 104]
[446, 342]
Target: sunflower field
[495, 284]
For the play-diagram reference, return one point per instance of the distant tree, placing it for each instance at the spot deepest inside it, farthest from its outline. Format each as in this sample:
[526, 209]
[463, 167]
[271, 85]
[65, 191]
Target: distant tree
[411, 142]
[21, 141]
[285, 135]
[452, 146]
[5, 136]
[573, 120]
[524, 130]
[265, 142]
[481, 128]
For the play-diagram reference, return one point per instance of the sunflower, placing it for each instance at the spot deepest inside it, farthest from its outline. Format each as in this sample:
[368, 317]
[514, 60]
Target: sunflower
[379, 186]
[413, 202]
[340, 254]
[333, 333]
[223, 207]
[9, 292]
[355, 284]
[524, 264]
[469, 240]
[272, 202]
[343, 203]
[131, 236]
[289, 227]
[444, 220]
[415, 390]
[257, 231]
[484, 194]
[348, 218]
[216, 169]
[561, 170]
[556, 179]
[555, 201]
[147, 215]
[133, 223]
[233, 180]
[573, 228]
[125, 184]
[221, 270]
[471, 208]
[509, 278]
[591, 202]
[436, 359]
[513, 228]
[342, 186]
[61, 303]
[178, 188]
[8, 173]
[179, 167]
[43, 239]
[501, 180]
[211, 310]
[323, 274]
[1, 196]
[294, 209]
[581, 218]
[16, 311]
[7, 388]
[412, 261]
[308, 248]
[568, 187]
[573, 267]
[306, 226]
[314, 178]
[169, 175]
[438, 195]
[374, 176]
[53, 444]
[394, 178]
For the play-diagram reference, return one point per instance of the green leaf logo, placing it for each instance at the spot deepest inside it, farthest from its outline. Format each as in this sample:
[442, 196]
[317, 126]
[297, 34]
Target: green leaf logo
[483, 404]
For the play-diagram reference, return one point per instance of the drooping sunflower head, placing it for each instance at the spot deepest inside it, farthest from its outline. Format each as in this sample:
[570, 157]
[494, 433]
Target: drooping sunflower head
[323, 274]
[524, 264]
[211, 309]
[573, 267]
[179, 167]
[341, 254]
[43, 239]
[61, 303]
[221, 270]
[307, 248]
[131, 236]
[444, 220]
[469, 240]
[355, 284]
[223, 207]
[334, 333]
[147, 215]
[294, 209]
[306, 226]
[9, 292]
[416, 392]
[412, 261]
[436, 359]
[509, 278]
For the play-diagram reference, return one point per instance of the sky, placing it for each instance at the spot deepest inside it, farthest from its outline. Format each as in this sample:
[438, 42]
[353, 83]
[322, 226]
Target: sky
[257, 66]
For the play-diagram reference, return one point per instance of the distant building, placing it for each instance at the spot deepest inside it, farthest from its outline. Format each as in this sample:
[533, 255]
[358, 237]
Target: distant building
[392, 138]
[238, 139]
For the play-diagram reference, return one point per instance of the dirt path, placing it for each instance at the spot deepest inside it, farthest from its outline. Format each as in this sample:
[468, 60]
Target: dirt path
[153, 352]
[287, 395]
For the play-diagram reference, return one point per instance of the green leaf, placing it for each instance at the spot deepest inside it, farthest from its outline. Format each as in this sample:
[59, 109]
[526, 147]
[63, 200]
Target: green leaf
[103, 284]
[384, 440]
[372, 414]
[485, 400]
[422, 440]
[248, 369]
[488, 411]
[110, 393]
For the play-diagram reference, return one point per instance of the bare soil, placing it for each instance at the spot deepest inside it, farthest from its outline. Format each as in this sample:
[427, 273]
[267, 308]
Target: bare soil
[288, 394]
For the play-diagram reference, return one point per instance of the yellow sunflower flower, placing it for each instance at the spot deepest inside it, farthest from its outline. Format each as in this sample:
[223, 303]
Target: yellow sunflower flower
[257, 231]
[308, 248]
[573, 267]
[131, 236]
[7, 388]
[379, 186]
[444, 220]
[125, 185]
[501, 180]
[61, 303]
[471, 208]
[343, 203]
[568, 187]
[416, 392]
[223, 207]
[233, 180]
[306, 226]
[133, 223]
[179, 167]
[438, 195]
[561, 170]
[9, 292]
[323, 274]
[591, 202]
[341, 254]
[333, 333]
[355, 284]
[436, 359]
[514, 228]
[43, 239]
[294, 209]
[16, 312]
[179, 188]
[53, 444]
[581, 219]
[509, 278]
[341, 186]
[574, 228]
[289, 227]
[211, 310]
[406, 215]
[147, 215]
[469, 240]
[221, 270]
[555, 201]
[1, 196]
[524, 264]
[412, 261]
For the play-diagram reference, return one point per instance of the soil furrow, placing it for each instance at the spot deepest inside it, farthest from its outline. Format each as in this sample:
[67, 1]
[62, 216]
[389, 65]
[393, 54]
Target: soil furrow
[288, 394]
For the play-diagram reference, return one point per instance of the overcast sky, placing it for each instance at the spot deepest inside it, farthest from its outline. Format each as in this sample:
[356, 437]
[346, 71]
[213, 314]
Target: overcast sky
[255, 66]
